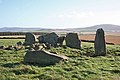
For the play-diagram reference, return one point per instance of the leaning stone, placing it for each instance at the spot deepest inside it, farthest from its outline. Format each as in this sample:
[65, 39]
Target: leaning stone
[100, 45]
[73, 41]
[43, 57]
[29, 39]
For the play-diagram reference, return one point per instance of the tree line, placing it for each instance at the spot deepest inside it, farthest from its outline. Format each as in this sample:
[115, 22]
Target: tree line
[18, 33]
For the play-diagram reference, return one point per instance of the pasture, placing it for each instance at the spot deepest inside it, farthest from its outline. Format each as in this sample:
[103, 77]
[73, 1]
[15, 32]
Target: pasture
[80, 65]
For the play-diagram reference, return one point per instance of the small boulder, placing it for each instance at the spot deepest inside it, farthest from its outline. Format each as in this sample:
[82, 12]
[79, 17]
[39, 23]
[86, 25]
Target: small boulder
[1, 47]
[18, 48]
[19, 43]
[9, 48]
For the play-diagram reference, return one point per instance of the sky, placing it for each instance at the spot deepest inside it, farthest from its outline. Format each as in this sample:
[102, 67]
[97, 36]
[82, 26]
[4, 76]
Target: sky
[58, 13]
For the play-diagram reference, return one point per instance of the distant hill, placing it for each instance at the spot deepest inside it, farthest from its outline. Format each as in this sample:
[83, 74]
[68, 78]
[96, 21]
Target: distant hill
[17, 29]
[106, 27]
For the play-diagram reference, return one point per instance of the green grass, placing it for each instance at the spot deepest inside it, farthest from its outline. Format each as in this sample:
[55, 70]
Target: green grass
[79, 67]
[7, 42]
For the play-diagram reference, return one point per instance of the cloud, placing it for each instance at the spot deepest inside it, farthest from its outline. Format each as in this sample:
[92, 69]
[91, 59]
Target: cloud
[75, 14]
[83, 19]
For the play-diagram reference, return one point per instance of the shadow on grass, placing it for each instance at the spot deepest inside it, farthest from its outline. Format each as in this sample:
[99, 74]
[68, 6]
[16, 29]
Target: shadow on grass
[39, 65]
[11, 65]
[117, 71]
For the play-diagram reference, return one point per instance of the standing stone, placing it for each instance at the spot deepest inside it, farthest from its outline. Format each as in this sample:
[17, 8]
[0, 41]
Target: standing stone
[100, 45]
[73, 41]
[29, 39]
[41, 39]
[50, 38]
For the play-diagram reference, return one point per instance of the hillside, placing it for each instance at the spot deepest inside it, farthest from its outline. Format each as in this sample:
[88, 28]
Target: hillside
[18, 29]
[106, 27]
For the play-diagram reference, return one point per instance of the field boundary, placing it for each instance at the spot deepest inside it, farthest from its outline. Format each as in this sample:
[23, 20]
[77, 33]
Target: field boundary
[92, 41]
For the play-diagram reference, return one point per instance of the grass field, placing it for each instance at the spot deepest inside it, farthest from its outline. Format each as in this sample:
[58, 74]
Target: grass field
[79, 66]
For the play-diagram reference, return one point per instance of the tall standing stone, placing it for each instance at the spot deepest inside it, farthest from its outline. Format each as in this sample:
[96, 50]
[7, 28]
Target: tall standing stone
[100, 45]
[50, 38]
[73, 41]
[29, 39]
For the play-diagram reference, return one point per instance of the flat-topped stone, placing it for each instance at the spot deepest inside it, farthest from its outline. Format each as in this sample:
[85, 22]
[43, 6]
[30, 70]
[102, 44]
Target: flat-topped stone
[43, 57]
